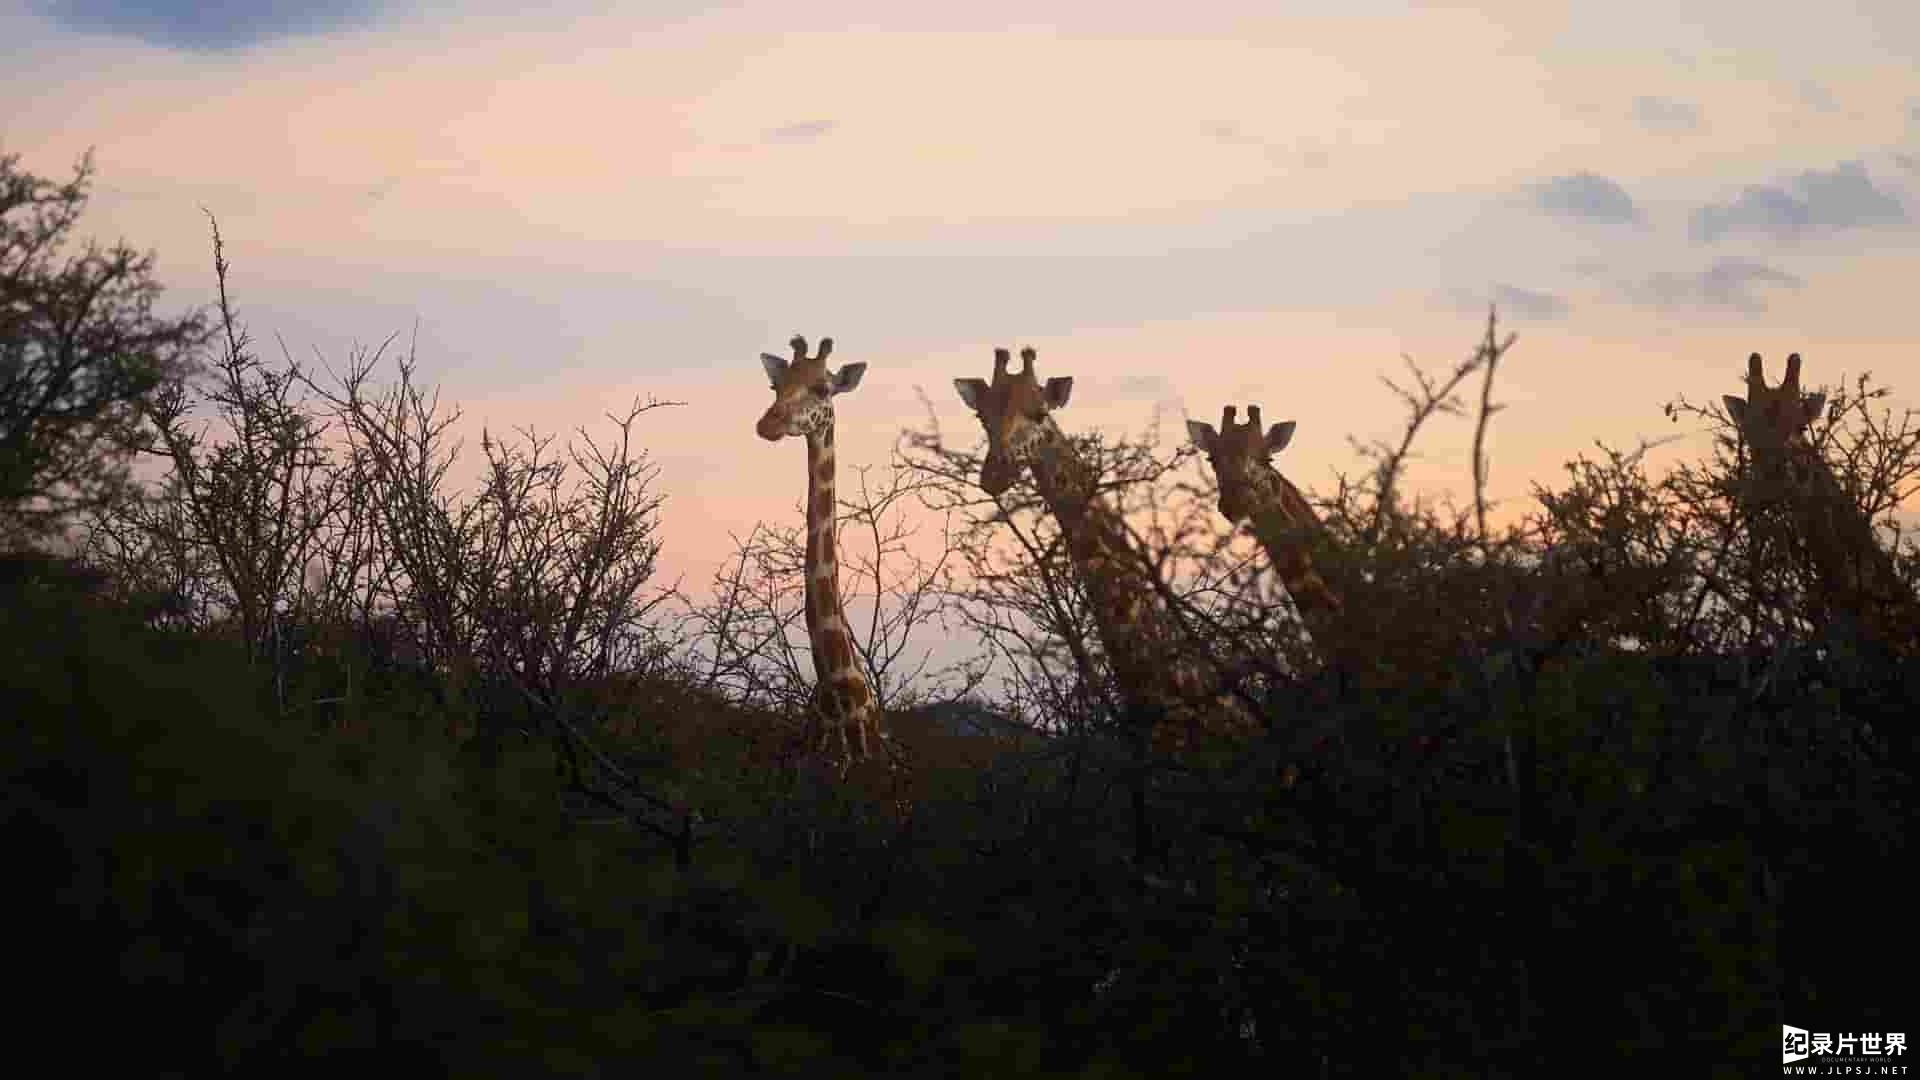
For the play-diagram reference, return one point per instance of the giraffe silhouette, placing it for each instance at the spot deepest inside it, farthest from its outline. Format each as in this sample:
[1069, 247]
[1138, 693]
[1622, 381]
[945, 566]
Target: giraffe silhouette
[803, 392]
[1855, 576]
[1253, 491]
[1157, 665]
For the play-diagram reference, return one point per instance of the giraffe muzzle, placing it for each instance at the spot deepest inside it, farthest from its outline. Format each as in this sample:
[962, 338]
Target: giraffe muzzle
[997, 474]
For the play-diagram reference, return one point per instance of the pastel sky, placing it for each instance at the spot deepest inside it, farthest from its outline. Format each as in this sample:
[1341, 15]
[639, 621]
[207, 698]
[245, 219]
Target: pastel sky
[1181, 205]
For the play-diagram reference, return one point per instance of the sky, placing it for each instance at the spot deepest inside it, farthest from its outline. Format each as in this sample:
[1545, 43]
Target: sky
[1181, 206]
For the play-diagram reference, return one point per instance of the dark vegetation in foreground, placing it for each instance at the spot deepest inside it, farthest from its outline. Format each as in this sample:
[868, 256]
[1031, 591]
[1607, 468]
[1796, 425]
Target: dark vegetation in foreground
[256, 829]
[1688, 857]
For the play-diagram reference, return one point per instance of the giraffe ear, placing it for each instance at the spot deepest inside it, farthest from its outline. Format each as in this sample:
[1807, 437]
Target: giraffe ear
[1057, 391]
[848, 377]
[972, 391]
[1202, 434]
[1816, 406]
[1279, 435]
[776, 366]
[1736, 407]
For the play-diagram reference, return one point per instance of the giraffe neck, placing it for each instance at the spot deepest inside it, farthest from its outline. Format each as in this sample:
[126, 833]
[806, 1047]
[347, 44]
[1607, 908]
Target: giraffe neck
[1856, 574]
[1155, 662]
[842, 690]
[1285, 524]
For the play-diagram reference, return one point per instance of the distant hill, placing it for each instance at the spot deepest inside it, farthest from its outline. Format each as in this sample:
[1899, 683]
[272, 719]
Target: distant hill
[966, 717]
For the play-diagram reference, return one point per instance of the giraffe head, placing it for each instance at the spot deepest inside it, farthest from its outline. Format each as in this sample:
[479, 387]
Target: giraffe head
[1772, 419]
[803, 391]
[1239, 453]
[1013, 408]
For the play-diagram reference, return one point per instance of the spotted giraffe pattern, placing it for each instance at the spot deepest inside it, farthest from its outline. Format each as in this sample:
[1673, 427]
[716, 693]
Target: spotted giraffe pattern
[1157, 666]
[1856, 575]
[1253, 491]
[803, 392]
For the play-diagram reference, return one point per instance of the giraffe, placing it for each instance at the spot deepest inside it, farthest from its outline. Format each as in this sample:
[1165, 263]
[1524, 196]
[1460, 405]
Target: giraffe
[1155, 662]
[1252, 490]
[1282, 520]
[803, 391]
[1855, 575]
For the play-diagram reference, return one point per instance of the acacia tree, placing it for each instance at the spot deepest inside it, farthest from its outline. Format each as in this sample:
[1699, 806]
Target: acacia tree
[81, 352]
[528, 590]
[258, 494]
[748, 643]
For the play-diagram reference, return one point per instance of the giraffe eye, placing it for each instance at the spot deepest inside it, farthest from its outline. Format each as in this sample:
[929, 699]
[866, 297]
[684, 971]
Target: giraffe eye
[820, 391]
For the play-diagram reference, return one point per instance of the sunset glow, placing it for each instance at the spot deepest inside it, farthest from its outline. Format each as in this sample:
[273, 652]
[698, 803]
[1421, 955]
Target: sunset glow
[1206, 204]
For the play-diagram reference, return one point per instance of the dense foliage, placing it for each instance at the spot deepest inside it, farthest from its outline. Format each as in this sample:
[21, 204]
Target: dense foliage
[1685, 860]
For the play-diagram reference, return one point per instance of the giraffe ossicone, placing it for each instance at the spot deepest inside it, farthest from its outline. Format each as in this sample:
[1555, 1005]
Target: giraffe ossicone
[1777, 415]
